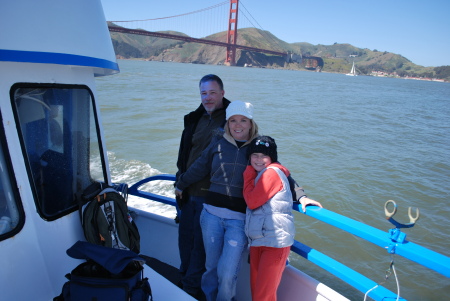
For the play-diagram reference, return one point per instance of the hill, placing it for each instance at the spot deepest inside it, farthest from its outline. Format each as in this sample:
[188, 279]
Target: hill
[336, 58]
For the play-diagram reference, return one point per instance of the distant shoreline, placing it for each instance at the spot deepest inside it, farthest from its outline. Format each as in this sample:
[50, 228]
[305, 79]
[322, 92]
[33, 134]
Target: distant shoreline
[373, 74]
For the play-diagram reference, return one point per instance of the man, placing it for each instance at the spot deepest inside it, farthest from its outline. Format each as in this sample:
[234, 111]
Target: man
[199, 126]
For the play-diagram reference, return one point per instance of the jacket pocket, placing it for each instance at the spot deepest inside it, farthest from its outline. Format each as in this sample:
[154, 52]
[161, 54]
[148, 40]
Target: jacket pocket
[255, 227]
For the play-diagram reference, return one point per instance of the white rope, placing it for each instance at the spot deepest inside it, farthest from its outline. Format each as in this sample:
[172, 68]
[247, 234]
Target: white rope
[396, 281]
[387, 276]
[365, 296]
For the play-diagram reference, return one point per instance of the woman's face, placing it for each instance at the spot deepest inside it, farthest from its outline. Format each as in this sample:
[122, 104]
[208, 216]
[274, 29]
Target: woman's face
[240, 127]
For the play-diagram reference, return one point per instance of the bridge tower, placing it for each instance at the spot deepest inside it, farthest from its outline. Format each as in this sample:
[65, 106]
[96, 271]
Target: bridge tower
[232, 33]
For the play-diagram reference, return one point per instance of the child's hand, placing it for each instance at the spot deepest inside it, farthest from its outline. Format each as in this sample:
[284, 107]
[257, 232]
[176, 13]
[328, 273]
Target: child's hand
[307, 201]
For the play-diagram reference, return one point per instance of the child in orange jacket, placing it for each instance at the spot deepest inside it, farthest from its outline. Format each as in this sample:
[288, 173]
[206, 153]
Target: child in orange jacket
[269, 223]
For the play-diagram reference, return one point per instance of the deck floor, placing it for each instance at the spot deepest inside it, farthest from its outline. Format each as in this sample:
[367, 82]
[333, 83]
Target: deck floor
[166, 270]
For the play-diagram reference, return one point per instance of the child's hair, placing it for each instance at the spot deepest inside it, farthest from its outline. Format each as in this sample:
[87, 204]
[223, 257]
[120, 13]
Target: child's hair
[265, 145]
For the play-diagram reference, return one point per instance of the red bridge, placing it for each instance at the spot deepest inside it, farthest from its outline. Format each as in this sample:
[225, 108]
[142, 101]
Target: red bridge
[189, 39]
[231, 45]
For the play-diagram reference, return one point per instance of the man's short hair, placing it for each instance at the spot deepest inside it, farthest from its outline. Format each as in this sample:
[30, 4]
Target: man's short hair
[211, 77]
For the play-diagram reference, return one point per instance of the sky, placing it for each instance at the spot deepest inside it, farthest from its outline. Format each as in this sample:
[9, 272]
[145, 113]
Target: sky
[417, 30]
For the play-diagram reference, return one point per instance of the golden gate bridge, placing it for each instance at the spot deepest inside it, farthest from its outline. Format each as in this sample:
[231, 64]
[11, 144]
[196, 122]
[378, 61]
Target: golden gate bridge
[212, 23]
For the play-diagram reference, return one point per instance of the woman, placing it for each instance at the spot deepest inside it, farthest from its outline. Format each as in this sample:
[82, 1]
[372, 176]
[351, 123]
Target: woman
[223, 216]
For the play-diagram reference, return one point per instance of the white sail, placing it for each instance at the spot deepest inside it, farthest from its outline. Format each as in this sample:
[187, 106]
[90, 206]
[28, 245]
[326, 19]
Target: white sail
[352, 71]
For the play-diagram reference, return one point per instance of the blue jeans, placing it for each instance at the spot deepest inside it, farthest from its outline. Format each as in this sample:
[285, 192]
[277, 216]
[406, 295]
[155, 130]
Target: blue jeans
[224, 241]
[190, 244]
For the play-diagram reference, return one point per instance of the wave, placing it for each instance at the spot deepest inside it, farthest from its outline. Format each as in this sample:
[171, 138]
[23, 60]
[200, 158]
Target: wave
[130, 172]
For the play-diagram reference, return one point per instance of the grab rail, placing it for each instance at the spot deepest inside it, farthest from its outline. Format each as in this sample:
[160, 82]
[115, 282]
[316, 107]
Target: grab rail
[428, 258]
[134, 189]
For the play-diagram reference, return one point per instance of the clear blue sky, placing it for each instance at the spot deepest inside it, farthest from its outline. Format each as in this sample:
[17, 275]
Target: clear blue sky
[418, 30]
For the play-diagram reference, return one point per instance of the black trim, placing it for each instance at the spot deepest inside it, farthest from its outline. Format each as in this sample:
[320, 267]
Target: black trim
[23, 147]
[13, 182]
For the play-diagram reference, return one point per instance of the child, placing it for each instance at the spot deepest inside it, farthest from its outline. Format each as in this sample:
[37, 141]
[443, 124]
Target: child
[269, 223]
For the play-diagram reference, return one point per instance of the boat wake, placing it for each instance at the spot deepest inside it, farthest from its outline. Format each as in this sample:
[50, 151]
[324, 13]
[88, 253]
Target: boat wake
[130, 172]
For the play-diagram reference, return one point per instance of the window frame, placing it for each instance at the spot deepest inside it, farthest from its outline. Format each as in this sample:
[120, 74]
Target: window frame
[14, 187]
[39, 206]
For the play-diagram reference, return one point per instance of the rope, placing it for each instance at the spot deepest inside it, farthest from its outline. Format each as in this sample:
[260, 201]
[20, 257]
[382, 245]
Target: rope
[396, 281]
[388, 273]
[365, 296]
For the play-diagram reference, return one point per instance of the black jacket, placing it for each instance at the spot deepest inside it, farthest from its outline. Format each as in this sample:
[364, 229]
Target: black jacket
[190, 124]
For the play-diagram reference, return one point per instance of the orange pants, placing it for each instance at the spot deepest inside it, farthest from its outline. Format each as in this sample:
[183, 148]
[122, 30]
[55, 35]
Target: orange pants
[266, 267]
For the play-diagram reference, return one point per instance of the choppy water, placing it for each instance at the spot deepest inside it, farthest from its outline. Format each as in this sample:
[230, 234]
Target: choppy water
[352, 142]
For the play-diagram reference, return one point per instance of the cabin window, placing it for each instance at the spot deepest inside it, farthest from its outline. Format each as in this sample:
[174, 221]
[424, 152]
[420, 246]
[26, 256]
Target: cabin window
[60, 140]
[11, 212]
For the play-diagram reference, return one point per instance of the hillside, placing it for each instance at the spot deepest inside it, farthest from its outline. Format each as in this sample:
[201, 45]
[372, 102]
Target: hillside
[337, 57]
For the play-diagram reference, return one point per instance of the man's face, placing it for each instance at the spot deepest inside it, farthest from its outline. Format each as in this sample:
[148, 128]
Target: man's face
[211, 96]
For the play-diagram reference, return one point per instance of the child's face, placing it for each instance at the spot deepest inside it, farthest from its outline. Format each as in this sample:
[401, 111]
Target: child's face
[259, 161]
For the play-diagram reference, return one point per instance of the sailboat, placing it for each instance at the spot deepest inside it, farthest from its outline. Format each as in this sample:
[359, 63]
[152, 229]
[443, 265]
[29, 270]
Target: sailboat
[353, 71]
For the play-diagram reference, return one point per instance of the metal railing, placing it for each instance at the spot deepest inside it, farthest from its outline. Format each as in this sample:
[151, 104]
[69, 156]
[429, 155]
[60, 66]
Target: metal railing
[394, 243]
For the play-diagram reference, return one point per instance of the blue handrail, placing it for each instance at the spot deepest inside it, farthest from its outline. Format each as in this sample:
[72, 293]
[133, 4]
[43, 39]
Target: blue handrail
[405, 248]
[134, 189]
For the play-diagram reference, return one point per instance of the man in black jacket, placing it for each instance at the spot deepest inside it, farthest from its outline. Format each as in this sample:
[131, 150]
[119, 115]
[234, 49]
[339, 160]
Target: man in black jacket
[199, 127]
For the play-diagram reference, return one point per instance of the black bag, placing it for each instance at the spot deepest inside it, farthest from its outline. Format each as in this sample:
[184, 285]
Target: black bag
[296, 190]
[106, 220]
[107, 275]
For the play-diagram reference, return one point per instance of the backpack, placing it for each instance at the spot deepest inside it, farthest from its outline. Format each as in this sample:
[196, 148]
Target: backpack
[296, 190]
[107, 275]
[106, 220]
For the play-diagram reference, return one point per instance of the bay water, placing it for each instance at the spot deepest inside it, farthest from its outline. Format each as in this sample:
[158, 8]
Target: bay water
[353, 143]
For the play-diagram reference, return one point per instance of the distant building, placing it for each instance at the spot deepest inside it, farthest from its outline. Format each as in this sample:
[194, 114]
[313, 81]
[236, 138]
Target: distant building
[294, 58]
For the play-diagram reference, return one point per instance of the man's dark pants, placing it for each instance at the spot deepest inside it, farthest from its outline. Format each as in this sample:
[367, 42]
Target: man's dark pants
[190, 243]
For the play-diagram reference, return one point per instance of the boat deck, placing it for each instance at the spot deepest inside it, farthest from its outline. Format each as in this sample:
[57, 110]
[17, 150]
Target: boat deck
[166, 270]
[162, 278]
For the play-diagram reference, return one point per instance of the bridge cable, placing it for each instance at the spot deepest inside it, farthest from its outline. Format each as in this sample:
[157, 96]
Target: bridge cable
[268, 38]
[193, 12]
